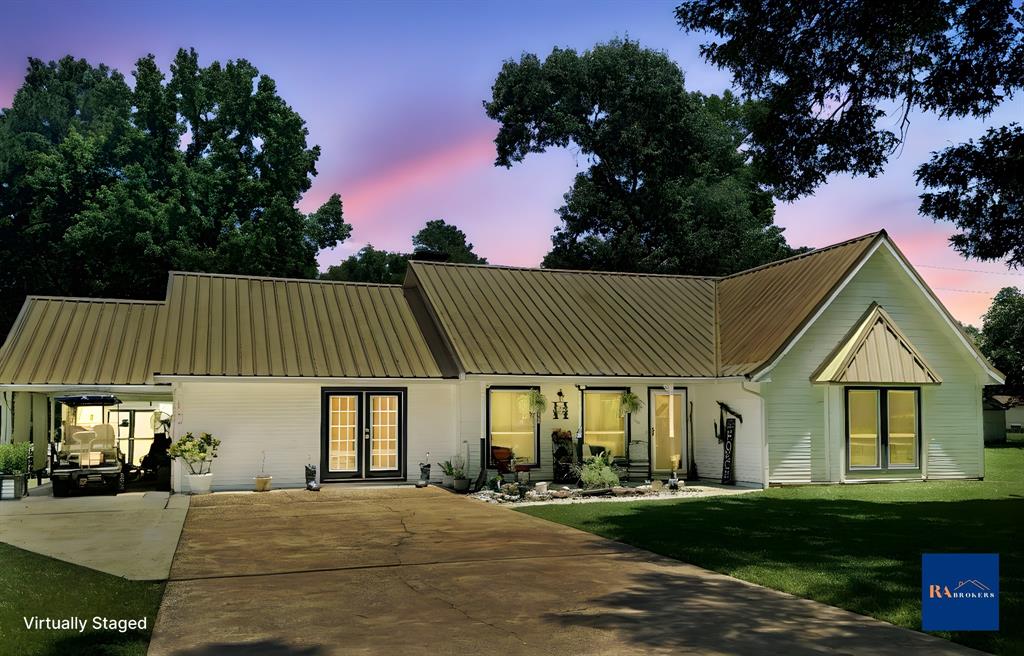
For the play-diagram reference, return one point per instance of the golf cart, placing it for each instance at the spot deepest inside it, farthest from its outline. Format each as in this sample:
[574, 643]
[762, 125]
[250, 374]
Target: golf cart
[88, 456]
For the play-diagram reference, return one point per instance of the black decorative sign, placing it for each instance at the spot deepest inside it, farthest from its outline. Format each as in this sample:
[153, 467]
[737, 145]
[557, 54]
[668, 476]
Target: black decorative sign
[729, 452]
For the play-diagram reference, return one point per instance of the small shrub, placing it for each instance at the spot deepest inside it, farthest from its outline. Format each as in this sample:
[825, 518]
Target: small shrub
[596, 472]
[197, 452]
[14, 458]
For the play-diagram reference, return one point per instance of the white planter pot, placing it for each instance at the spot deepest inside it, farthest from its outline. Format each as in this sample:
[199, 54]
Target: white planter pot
[263, 483]
[447, 480]
[461, 484]
[200, 483]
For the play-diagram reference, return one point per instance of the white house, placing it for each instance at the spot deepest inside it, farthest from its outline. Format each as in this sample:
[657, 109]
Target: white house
[837, 365]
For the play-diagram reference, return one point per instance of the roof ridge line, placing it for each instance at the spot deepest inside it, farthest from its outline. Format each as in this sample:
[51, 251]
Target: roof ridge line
[282, 278]
[90, 299]
[815, 251]
[512, 267]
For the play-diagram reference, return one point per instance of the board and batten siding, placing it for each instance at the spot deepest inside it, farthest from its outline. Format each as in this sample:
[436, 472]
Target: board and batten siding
[806, 422]
[283, 419]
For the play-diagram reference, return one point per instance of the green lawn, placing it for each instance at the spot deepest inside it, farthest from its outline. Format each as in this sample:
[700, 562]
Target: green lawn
[34, 585]
[856, 547]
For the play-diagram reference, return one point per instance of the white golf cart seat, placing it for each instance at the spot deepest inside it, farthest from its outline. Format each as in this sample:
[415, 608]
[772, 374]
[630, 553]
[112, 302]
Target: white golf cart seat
[79, 446]
[105, 437]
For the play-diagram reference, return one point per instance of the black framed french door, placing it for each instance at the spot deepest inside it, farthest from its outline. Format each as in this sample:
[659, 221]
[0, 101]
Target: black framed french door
[362, 434]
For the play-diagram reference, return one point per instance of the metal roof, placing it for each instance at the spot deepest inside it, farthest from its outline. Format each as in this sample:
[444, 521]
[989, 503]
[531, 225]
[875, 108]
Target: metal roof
[81, 341]
[506, 320]
[252, 326]
[760, 310]
[876, 351]
[446, 319]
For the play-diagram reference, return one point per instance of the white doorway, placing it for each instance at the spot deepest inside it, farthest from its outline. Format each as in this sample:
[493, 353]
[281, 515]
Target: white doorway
[668, 430]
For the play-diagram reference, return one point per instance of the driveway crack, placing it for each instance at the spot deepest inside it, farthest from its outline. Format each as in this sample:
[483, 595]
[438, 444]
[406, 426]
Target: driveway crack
[438, 595]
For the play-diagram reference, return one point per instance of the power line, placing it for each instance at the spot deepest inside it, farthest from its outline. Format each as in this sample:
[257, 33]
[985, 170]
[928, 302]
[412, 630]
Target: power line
[947, 268]
[964, 291]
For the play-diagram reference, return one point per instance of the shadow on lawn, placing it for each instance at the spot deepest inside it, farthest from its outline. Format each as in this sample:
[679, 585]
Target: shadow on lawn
[859, 555]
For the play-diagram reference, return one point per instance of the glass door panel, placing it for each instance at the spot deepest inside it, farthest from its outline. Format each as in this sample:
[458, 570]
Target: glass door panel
[384, 432]
[343, 433]
[902, 422]
[862, 406]
[667, 430]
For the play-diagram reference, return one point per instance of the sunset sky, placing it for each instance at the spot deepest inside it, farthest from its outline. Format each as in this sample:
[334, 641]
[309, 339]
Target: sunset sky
[392, 93]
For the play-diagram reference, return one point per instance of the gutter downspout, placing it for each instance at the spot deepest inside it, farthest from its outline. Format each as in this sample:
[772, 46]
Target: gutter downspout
[764, 432]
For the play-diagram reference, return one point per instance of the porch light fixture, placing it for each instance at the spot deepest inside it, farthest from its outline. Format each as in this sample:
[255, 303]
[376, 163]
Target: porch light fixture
[560, 404]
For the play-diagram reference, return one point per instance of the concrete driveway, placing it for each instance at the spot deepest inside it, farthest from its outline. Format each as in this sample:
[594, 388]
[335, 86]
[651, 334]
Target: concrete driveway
[404, 571]
[132, 534]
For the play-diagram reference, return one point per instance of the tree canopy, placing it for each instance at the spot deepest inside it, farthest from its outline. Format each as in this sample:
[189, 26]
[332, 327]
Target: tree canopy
[437, 241]
[105, 187]
[668, 188]
[834, 85]
[444, 242]
[1001, 337]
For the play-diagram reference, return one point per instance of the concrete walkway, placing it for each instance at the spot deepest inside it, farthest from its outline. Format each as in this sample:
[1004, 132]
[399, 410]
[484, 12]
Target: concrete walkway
[132, 535]
[404, 571]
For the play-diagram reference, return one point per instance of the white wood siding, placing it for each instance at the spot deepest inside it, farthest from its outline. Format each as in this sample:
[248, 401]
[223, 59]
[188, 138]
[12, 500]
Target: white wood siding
[283, 419]
[703, 394]
[806, 437]
[708, 451]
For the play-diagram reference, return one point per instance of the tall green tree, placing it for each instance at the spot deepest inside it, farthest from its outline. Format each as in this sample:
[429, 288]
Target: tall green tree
[835, 83]
[445, 242]
[104, 187]
[370, 265]
[1002, 335]
[437, 241]
[668, 187]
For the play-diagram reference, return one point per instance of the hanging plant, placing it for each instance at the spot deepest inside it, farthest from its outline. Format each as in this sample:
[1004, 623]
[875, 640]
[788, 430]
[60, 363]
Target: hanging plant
[629, 403]
[537, 403]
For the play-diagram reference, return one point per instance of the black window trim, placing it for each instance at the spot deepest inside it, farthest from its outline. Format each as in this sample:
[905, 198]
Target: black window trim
[487, 424]
[627, 419]
[364, 474]
[882, 410]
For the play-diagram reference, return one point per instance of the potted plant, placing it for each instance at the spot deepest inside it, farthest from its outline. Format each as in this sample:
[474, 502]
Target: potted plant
[447, 473]
[537, 403]
[14, 459]
[263, 479]
[460, 483]
[629, 403]
[198, 453]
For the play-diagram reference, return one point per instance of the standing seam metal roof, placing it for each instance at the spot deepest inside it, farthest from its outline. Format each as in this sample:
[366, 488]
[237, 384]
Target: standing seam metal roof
[251, 326]
[506, 320]
[81, 341]
[445, 320]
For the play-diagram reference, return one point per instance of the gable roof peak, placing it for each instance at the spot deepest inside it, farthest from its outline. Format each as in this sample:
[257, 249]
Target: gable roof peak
[876, 351]
[872, 236]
